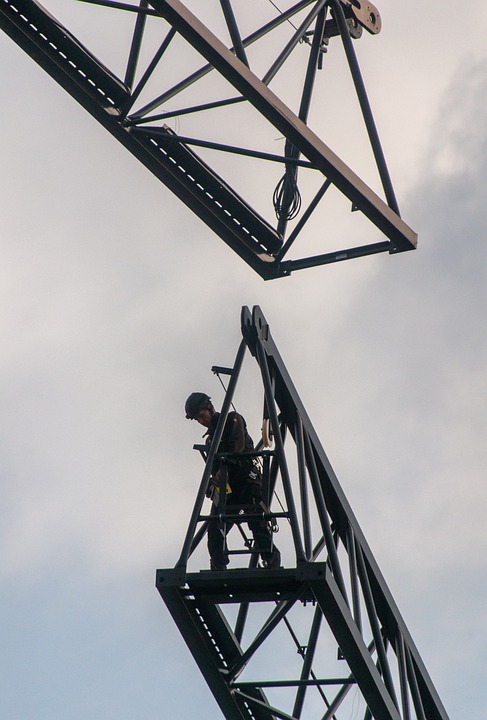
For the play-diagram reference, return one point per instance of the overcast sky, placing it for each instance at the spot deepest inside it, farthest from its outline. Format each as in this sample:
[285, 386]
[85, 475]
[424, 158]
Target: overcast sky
[115, 303]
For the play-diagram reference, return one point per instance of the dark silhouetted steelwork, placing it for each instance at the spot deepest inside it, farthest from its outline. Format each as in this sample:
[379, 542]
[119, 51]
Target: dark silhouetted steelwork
[293, 642]
[134, 109]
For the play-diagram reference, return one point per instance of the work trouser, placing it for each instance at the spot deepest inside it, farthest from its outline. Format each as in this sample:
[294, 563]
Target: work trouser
[244, 494]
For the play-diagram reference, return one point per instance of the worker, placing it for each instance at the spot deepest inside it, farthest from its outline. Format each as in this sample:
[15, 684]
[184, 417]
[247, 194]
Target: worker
[244, 482]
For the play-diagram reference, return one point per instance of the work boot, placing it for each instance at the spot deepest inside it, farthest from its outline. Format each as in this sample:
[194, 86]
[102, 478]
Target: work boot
[215, 566]
[272, 562]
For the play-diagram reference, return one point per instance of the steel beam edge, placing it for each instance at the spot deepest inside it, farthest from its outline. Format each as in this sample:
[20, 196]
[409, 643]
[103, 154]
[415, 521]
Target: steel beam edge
[353, 647]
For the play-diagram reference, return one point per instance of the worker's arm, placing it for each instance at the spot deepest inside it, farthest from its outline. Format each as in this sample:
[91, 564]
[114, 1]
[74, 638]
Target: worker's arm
[235, 433]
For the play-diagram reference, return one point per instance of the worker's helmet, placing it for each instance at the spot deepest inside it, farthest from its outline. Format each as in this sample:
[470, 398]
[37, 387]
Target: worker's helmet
[197, 401]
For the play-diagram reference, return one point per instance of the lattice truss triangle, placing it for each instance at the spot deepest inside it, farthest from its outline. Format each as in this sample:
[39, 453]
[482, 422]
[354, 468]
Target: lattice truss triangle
[225, 103]
[321, 637]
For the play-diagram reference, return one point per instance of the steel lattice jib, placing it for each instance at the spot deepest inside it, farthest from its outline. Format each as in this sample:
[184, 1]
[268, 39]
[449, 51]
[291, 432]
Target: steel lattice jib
[321, 637]
[232, 120]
